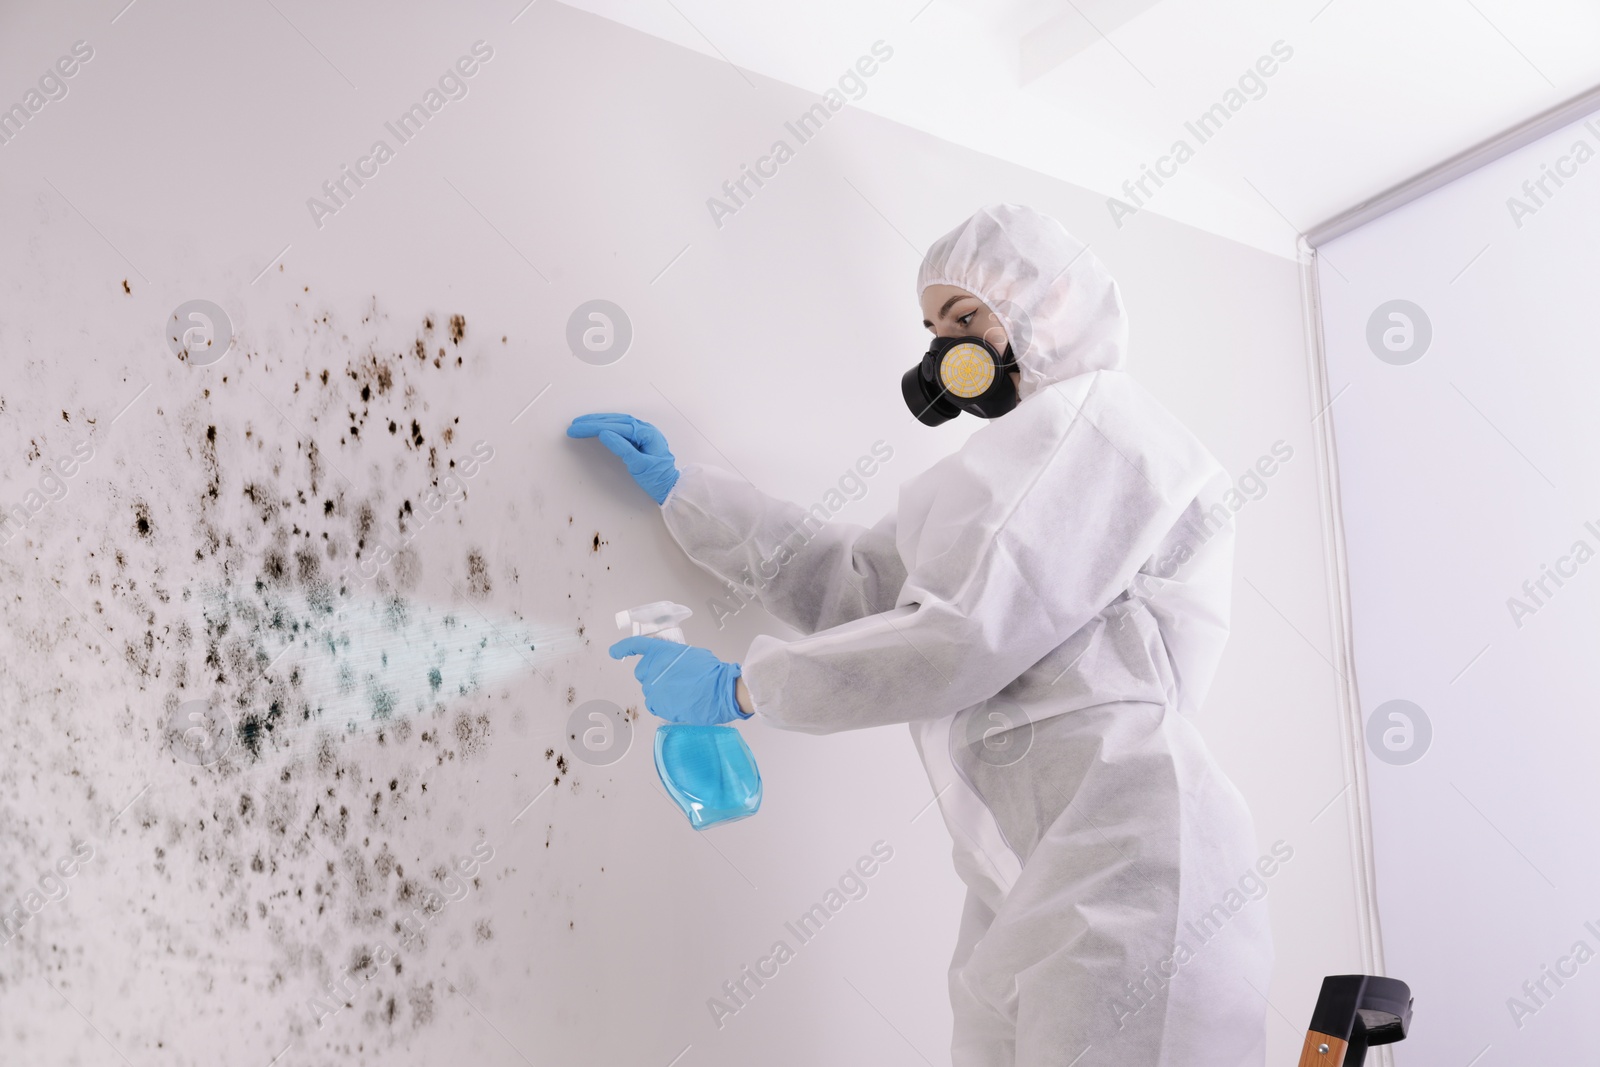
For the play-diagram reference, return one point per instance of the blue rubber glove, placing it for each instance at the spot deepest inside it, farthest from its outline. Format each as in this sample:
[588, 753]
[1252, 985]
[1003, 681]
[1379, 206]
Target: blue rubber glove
[640, 445]
[683, 683]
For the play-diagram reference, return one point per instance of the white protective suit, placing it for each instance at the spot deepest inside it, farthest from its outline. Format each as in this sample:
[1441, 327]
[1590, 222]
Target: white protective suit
[1061, 583]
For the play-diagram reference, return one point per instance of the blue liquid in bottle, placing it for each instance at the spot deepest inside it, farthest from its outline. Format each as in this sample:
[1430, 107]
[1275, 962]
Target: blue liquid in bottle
[709, 772]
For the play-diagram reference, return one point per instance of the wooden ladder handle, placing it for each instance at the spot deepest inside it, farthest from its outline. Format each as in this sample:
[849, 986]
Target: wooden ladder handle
[1312, 1054]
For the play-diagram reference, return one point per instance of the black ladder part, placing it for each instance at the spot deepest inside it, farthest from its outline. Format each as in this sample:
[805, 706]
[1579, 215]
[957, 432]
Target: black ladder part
[1363, 1009]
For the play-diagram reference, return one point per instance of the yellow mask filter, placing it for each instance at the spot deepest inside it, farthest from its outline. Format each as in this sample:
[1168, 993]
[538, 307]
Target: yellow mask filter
[960, 374]
[967, 370]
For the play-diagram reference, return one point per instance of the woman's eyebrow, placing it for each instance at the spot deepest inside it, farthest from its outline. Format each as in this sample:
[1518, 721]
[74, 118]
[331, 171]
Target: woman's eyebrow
[952, 300]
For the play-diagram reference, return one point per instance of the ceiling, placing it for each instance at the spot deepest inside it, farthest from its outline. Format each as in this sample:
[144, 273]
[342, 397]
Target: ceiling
[1361, 94]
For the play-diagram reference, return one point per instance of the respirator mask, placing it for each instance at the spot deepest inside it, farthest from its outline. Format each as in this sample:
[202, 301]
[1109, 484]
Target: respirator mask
[960, 374]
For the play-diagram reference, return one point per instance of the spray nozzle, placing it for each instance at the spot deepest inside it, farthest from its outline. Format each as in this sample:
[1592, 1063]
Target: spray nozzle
[658, 619]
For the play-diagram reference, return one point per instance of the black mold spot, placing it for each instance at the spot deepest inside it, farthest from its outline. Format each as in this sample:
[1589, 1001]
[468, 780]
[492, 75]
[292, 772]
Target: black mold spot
[327, 759]
[458, 328]
[263, 500]
[421, 998]
[471, 734]
[275, 569]
[254, 728]
[384, 863]
[250, 736]
[395, 613]
[477, 574]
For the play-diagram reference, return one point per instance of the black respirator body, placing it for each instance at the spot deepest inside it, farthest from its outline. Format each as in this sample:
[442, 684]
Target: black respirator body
[960, 374]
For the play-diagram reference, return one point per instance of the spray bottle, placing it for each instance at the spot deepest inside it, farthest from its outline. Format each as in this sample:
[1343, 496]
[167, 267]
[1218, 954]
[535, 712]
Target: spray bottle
[708, 771]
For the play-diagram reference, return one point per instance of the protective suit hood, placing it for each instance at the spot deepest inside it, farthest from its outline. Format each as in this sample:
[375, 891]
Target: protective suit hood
[1061, 309]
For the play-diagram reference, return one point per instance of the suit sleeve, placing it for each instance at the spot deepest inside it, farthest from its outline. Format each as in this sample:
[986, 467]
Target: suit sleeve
[1031, 530]
[809, 571]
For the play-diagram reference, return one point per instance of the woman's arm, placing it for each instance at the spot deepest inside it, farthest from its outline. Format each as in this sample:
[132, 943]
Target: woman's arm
[807, 569]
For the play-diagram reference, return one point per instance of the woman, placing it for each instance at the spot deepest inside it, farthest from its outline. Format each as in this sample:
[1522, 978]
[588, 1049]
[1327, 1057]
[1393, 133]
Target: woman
[1044, 608]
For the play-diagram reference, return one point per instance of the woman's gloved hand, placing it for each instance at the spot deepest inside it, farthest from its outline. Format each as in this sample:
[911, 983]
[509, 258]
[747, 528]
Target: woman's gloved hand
[640, 445]
[683, 683]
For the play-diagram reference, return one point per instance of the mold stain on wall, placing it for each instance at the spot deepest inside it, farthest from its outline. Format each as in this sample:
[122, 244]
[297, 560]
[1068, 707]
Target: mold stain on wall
[268, 538]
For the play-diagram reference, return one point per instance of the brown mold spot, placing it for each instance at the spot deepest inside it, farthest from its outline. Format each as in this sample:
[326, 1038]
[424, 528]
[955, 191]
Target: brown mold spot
[478, 584]
[472, 734]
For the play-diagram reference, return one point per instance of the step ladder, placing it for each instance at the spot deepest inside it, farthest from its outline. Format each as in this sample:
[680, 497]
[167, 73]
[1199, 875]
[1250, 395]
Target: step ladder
[1353, 1012]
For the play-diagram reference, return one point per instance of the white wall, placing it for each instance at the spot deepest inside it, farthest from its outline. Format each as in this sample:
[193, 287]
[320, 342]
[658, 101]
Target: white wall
[577, 167]
[1467, 480]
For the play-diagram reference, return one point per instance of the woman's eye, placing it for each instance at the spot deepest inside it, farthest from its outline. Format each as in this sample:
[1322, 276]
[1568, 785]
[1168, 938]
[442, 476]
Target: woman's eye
[966, 320]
